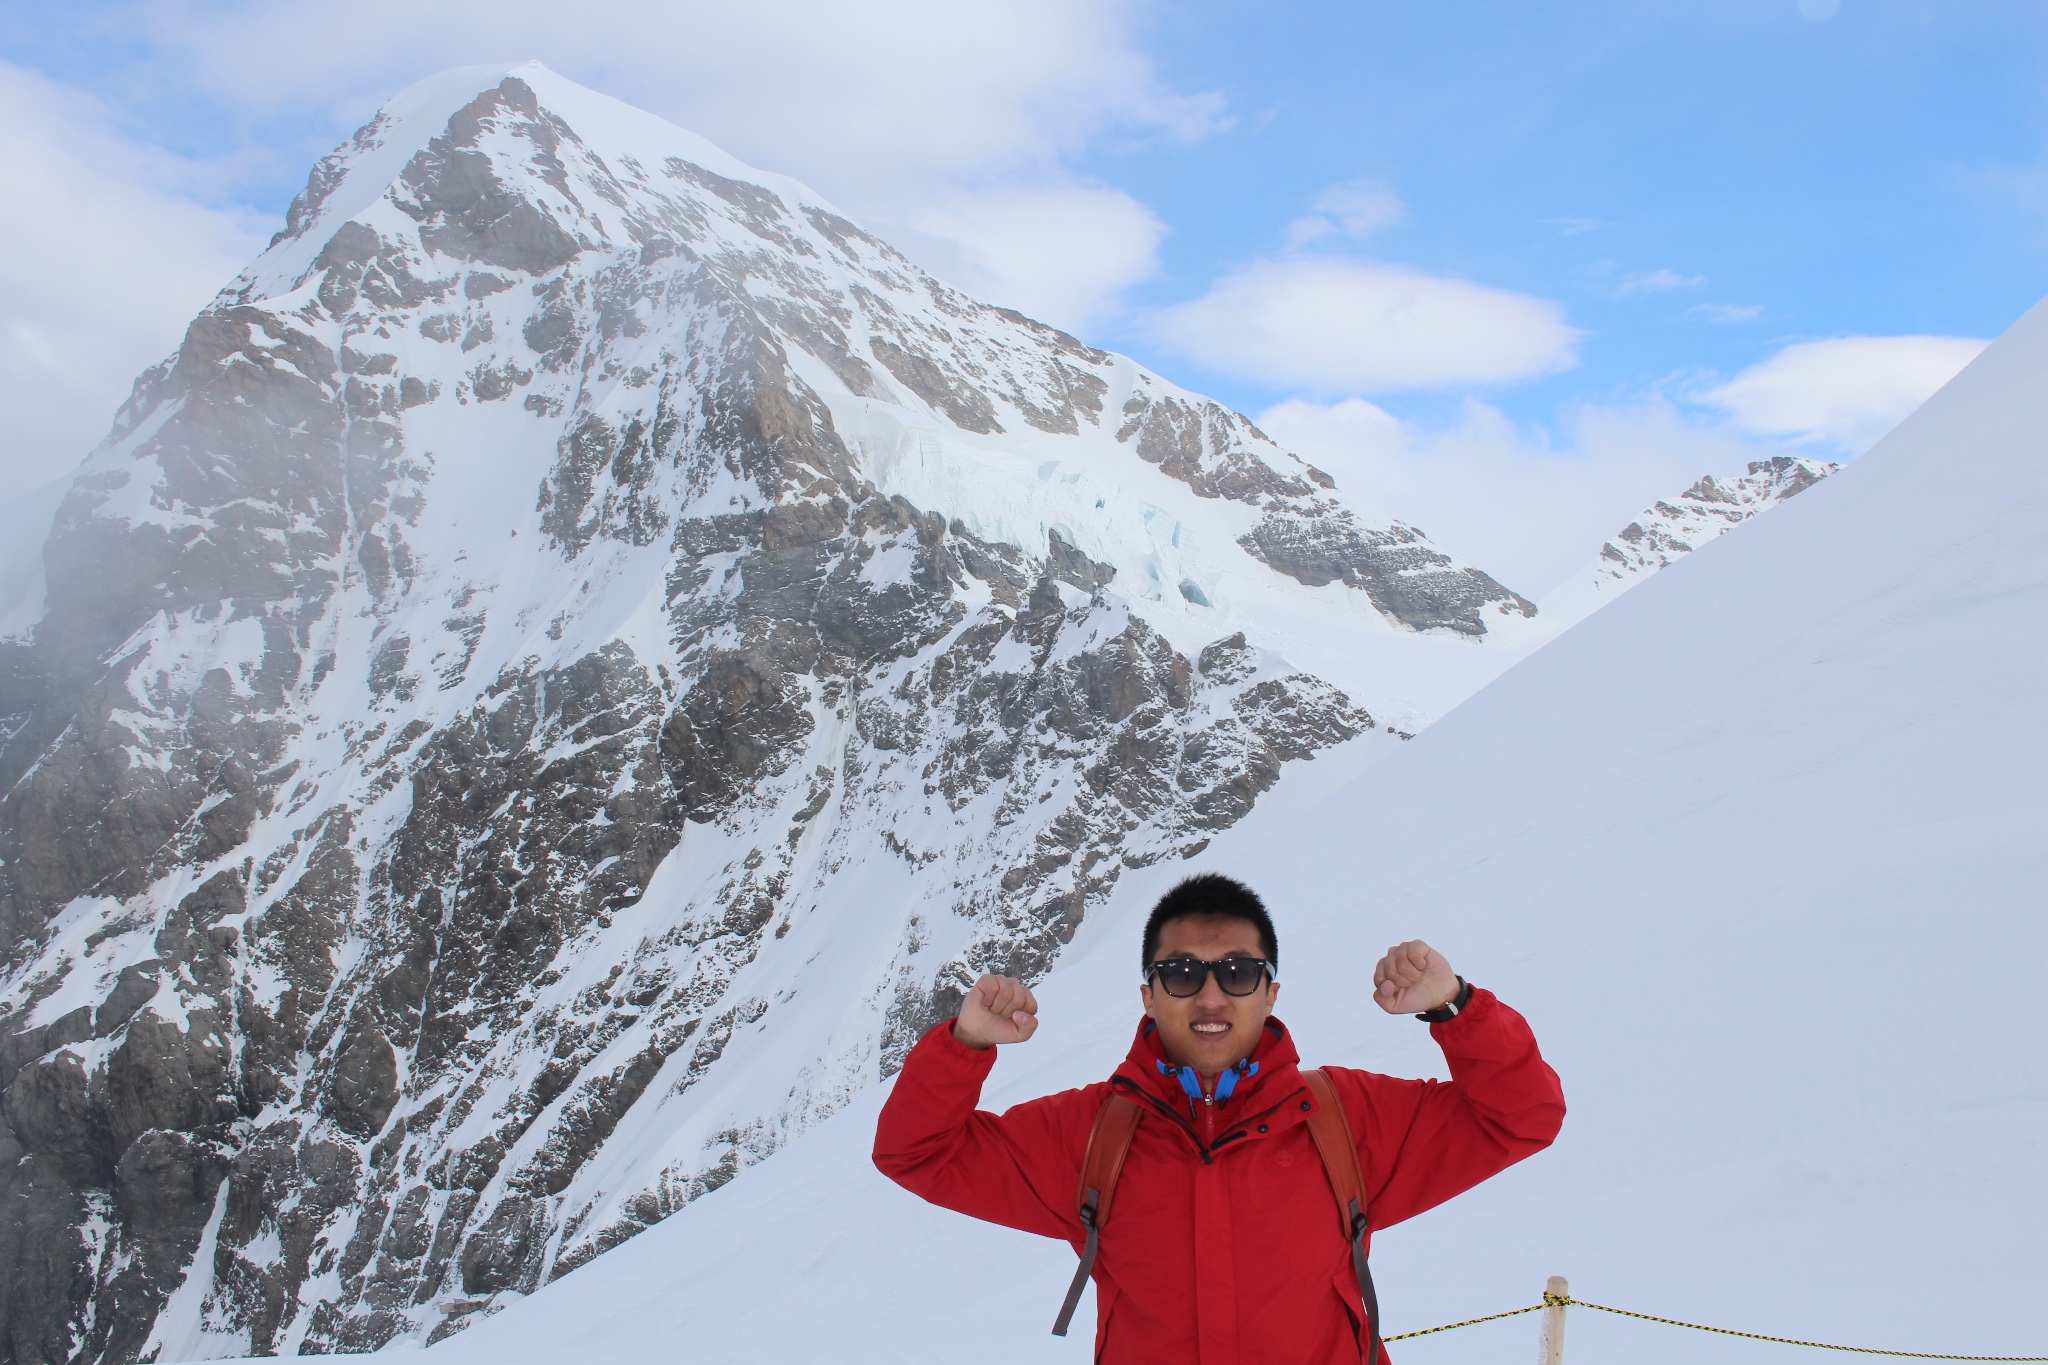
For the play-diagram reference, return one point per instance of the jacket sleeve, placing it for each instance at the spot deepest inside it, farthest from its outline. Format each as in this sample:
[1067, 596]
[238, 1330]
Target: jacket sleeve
[1422, 1142]
[1018, 1168]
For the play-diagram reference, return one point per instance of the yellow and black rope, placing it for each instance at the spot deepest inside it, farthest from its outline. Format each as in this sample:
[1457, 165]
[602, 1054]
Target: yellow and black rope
[1560, 1300]
[1511, 1313]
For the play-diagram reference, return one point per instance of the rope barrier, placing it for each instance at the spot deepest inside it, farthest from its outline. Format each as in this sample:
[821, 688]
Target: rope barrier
[1561, 1300]
[1511, 1313]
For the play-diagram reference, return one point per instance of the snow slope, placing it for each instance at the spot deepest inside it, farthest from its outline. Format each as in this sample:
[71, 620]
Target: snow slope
[1758, 850]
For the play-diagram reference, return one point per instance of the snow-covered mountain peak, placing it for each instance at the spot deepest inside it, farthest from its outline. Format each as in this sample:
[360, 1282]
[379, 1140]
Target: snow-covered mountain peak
[510, 213]
[501, 116]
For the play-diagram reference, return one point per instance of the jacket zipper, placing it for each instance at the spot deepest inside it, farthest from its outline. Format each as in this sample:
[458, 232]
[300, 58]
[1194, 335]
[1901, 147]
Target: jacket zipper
[1168, 1110]
[1207, 1150]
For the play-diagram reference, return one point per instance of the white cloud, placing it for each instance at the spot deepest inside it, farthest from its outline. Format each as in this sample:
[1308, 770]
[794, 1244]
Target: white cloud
[103, 260]
[1845, 392]
[1529, 511]
[938, 115]
[1355, 208]
[1656, 282]
[1346, 326]
[1061, 253]
[831, 92]
[1727, 312]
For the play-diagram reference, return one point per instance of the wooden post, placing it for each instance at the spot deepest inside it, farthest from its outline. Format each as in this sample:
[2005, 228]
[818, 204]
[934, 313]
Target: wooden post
[1553, 1320]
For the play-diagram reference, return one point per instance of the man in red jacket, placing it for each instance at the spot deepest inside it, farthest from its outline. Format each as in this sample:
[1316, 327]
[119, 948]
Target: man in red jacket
[1221, 1246]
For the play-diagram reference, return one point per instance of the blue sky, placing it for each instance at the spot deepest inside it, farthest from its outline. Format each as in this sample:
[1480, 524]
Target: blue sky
[1509, 270]
[1881, 171]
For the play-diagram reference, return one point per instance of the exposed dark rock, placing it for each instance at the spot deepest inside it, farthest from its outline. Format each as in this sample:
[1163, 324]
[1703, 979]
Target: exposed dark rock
[466, 211]
[1408, 579]
[1069, 565]
[499, 1255]
[364, 1087]
[165, 1189]
[1208, 447]
[1671, 529]
[966, 407]
[132, 990]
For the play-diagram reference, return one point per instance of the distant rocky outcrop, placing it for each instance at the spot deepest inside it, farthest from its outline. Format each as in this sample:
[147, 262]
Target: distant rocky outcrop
[1668, 530]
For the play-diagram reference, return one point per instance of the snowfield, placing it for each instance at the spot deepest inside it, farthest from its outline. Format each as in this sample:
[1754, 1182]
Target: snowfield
[1759, 851]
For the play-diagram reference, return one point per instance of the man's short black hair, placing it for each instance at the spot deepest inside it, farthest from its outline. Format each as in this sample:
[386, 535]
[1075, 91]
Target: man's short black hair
[1212, 893]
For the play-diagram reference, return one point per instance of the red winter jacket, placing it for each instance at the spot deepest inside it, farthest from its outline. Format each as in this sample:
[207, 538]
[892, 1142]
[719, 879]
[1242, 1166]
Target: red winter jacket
[1223, 1244]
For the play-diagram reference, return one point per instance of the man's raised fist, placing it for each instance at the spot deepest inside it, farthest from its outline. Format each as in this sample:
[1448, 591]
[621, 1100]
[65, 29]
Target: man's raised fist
[1000, 1009]
[1413, 978]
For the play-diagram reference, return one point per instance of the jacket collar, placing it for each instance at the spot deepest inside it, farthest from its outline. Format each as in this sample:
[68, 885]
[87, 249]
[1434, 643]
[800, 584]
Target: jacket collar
[1274, 1066]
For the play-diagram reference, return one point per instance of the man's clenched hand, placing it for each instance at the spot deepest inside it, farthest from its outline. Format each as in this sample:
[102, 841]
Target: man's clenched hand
[1000, 1009]
[1413, 978]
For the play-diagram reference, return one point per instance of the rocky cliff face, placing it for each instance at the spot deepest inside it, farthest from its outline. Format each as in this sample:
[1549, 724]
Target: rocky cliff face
[581, 655]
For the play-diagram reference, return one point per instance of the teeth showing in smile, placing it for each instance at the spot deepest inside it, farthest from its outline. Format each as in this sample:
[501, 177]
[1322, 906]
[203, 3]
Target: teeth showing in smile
[1211, 1028]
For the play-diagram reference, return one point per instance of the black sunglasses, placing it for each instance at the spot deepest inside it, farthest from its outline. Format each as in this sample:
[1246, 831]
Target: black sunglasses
[1183, 976]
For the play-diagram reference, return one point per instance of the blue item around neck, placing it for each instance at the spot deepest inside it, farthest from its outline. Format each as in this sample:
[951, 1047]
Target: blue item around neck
[1226, 1084]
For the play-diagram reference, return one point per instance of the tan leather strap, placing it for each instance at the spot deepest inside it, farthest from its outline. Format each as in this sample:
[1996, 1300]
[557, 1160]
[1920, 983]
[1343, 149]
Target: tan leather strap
[1108, 1143]
[1334, 1143]
[1332, 1132]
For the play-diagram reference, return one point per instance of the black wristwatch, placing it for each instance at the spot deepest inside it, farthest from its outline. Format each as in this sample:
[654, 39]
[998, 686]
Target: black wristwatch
[1450, 1009]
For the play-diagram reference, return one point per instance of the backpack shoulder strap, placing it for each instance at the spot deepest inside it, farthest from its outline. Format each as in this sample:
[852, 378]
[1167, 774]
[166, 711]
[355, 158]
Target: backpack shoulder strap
[1108, 1142]
[1339, 1151]
[1332, 1132]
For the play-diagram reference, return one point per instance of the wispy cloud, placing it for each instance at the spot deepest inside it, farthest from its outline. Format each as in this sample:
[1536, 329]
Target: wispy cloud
[964, 91]
[1727, 312]
[1844, 392]
[1330, 325]
[1656, 282]
[1355, 208]
[1573, 227]
[1062, 253]
[104, 257]
[1325, 322]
